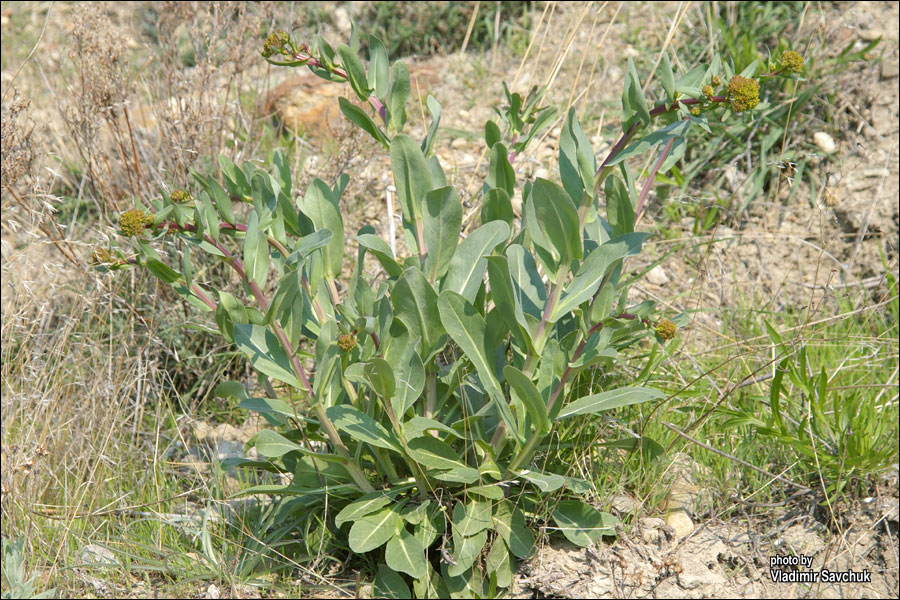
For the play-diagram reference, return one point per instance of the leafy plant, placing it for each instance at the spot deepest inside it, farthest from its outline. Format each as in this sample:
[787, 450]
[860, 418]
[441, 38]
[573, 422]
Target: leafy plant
[14, 573]
[433, 387]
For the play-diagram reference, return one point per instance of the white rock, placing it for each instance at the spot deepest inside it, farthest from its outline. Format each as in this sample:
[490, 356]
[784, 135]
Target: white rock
[98, 556]
[459, 143]
[657, 276]
[680, 523]
[825, 142]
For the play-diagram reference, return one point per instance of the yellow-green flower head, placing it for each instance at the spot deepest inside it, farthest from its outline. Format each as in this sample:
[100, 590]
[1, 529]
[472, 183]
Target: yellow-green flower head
[133, 222]
[180, 196]
[743, 93]
[346, 342]
[791, 61]
[101, 256]
[666, 330]
[695, 111]
[275, 43]
[716, 80]
[708, 91]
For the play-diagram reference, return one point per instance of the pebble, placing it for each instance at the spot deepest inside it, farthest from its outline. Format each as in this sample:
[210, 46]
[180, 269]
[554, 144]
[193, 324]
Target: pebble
[825, 142]
[876, 172]
[890, 69]
[98, 556]
[657, 276]
[464, 114]
[459, 143]
[680, 523]
[870, 35]
[212, 592]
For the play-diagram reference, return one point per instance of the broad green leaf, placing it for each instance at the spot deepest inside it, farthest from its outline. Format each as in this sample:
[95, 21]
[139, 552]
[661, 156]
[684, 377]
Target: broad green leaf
[273, 445]
[660, 136]
[530, 397]
[619, 208]
[467, 328]
[411, 176]
[398, 95]
[162, 271]
[380, 249]
[491, 133]
[442, 222]
[359, 117]
[265, 406]
[667, 77]
[499, 563]
[581, 523]
[577, 163]
[433, 524]
[406, 554]
[389, 584]
[381, 376]
[510, 524]
[491, 492]
[265, 353]
[415, 305]
[433, 453]
[430, 586]
[544, 481]
[308, 244]
[358, 509]
[379, 75]
[597, 403]
[472, 516]
[356, 73]
[410, 377]
[208, 216]
[466, 475]
[633, 102]
[235, 180]
[469, 263]
[557, 219]
[466, 549]
[362, 427]
[500, 172]
[418, 426]
[531, 293]
[591, 272]
[373, 531]
[321, 206]
[504, 296]
[496, 206]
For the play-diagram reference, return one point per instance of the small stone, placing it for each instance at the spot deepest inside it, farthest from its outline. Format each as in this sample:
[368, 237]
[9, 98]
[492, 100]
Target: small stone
[680, 523]
[459, 143]
[98, 556]
[890, 69]
[870, 35]
[212, 592]
[825, 142]
[876, 172]
[657, 276]
[623, 504]
[464, 114]
[542, 173]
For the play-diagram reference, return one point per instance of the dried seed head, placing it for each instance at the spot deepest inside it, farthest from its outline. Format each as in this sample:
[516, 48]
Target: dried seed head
[346, 342]
[791, 61]
[666, 330]
[743, 93]
[101, 256]
[133, 222]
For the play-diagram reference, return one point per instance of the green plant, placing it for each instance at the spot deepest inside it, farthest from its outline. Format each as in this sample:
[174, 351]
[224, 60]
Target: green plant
[434, 388]
[14, 573]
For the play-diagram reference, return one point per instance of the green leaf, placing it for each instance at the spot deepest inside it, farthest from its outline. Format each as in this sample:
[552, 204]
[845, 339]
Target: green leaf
[499, 563]
[510, 524]
[466, 550]
[591, 272]
[380, 249]
[467, 328]
[433, 524]
[373, 531]
[491, 133]
[307, 244]
[359, 117]
[366, 505]
[633, 102]
[442, 221]
[208, 216]
[162, 271]
[472, 517]
[531, 294]
[321, 206]
[544, 481]
[268, 406]
[496, 206]
[389, 584]
[468, 264]
[491, 492]
[581, 523]
[619, 208]
[667, 77]
[577, 163]
[415, 305]
[417, 426]
[530, 397]
[503, 294]
[362, 427]
[500, 173]
[434, 108]
[381, 376]
[235, 180]
[597, 403]
[379, 65]
[406, 554]
[433, 453]
[398, 95]
[356, 73]
[411, 177]
[273, 445]
[265, 353]
[465, 475]
[673, 130]
[557, 219]
[410, 376]
[256, 252]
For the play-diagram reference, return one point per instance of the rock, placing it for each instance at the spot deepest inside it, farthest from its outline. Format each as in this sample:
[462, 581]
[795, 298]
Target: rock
[623, 504]
[212, 592]
[870, 35]
[876, 172]
[890, 69]
[825, 142]
[657, 276]
[98, 556]
[459, 143]
[680, 523]
[464, 114]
